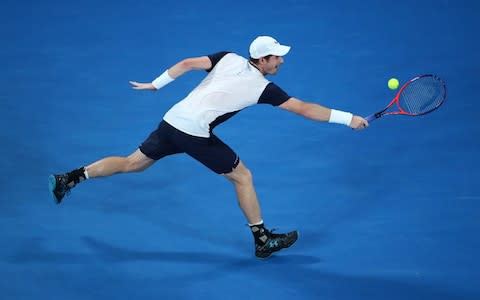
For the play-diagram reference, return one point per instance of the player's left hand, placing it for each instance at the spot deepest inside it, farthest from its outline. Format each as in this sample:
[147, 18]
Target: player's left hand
[142, 86]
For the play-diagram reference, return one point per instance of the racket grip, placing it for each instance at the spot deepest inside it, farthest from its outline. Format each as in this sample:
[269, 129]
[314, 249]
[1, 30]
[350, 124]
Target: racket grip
[374, 116]
[371, 118]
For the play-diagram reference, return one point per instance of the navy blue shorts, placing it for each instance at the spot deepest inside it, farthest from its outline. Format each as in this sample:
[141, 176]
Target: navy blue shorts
[212, 152]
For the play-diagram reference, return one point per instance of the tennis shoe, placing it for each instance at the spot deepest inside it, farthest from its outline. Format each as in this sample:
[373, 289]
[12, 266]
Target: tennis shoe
[58, 185]
[275, 242]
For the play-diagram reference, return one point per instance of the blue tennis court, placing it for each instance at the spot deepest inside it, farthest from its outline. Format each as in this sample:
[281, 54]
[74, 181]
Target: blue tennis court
[390, 212]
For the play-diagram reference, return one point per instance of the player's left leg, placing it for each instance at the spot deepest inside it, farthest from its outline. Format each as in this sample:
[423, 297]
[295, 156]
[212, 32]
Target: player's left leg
[61, 184]
[155, 147]
[135, 162]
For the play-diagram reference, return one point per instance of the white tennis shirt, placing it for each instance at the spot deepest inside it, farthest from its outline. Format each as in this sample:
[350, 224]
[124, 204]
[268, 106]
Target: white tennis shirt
[232, 85]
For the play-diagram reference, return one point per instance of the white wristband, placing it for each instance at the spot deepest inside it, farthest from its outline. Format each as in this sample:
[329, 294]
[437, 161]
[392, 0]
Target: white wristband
[340, 117]
[162, 80]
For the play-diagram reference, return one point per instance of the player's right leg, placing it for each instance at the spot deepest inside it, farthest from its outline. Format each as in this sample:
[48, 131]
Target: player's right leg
[220, 158]
[61, 184]
[266, 241]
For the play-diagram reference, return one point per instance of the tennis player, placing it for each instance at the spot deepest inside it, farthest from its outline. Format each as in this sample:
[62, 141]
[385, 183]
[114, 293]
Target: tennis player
[232, 84]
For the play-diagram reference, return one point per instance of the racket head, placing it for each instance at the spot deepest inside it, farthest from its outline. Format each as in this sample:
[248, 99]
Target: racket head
[420, 95]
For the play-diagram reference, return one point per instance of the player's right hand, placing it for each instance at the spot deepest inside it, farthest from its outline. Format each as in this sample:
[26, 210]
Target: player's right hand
[358, 123]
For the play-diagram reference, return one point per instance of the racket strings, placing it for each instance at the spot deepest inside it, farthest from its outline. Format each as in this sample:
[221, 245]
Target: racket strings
[422, 95]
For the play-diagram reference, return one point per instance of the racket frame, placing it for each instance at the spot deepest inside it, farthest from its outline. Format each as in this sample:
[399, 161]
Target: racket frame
[396, 99]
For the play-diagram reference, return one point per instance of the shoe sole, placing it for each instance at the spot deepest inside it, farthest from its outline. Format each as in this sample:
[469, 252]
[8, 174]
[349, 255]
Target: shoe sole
[52, 184]
[286, 246]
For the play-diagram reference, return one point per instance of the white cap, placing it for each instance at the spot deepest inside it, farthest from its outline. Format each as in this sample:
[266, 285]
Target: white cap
[266, 45]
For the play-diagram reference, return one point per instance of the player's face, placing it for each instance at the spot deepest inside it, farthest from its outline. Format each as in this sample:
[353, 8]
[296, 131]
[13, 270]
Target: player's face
[272, 64]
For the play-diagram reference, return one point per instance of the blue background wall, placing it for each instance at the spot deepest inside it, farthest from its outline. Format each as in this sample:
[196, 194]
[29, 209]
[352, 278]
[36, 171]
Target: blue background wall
[386, 213]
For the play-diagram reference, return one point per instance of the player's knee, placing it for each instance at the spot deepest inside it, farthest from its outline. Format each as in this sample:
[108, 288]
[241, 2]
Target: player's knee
[132, 165]
[241, 175]
[137, 162]
[247, 176]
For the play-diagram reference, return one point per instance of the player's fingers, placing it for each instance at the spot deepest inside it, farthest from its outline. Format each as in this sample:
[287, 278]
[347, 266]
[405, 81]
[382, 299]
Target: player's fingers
[361, 125]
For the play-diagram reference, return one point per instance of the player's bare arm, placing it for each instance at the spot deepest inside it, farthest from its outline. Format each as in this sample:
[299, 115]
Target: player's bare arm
[189, 64]
[318, 112]
[177, 70]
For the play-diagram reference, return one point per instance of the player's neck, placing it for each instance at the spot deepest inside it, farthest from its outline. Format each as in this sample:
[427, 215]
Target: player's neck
[256, 67]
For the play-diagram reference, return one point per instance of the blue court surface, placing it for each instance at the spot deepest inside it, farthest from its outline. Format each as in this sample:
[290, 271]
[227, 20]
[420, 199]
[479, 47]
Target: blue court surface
[391, 212]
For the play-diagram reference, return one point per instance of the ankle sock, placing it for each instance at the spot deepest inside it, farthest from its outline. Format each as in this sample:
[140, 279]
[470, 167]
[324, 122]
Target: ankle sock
[77, 176]
[259, 233]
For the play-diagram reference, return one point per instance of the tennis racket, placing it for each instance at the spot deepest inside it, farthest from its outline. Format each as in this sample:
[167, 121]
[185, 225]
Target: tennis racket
[420, 95]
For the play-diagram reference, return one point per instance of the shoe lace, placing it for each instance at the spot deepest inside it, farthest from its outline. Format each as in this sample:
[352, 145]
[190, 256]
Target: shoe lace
[271, 233]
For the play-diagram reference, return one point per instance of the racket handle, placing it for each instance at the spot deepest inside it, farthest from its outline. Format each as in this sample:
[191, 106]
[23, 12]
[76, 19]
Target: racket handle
[373, 117]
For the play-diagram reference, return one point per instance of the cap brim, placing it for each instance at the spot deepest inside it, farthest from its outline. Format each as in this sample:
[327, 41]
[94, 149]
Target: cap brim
[281, 50]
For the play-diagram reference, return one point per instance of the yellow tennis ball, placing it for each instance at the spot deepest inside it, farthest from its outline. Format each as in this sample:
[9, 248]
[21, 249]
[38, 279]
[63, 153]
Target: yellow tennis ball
[393, 83]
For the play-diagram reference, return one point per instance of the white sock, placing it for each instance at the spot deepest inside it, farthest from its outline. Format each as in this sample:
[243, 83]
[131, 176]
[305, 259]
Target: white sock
[256, 224]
